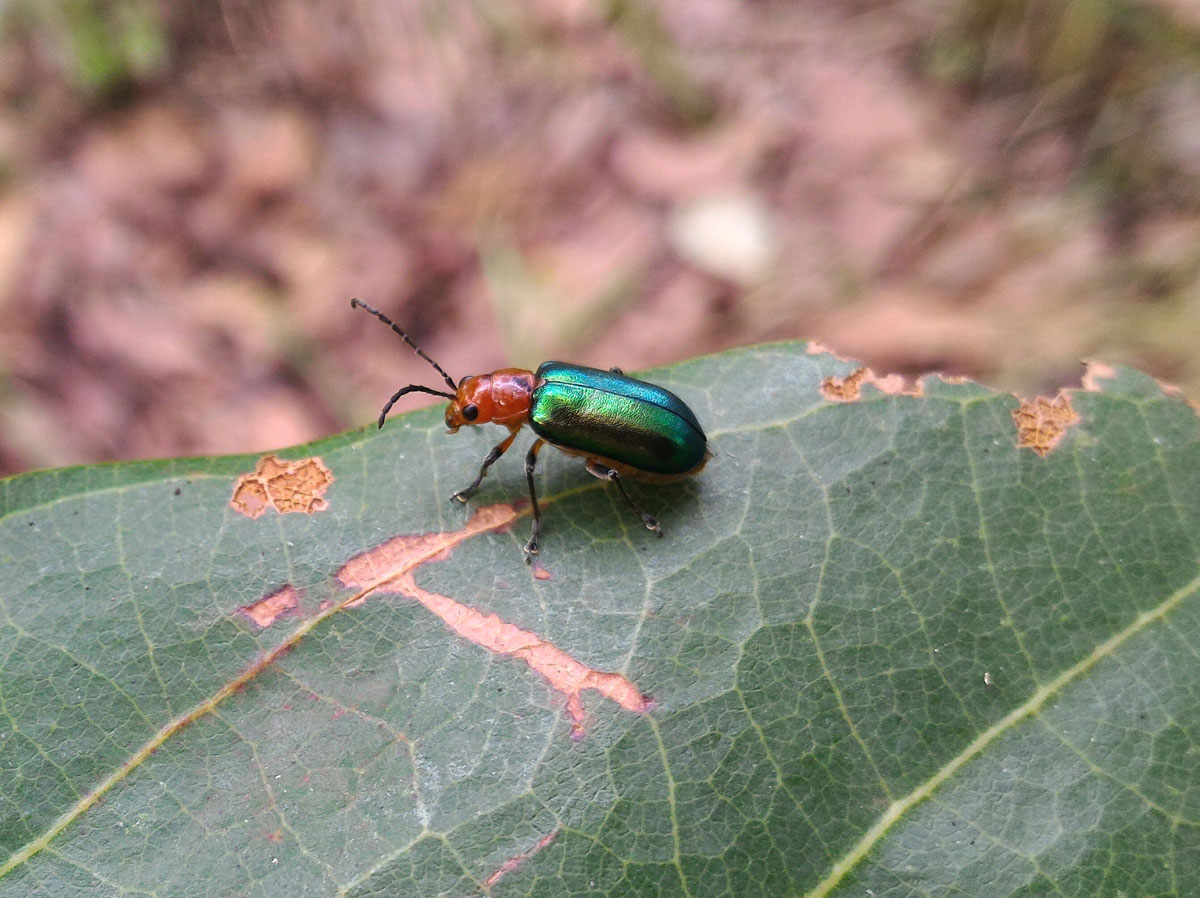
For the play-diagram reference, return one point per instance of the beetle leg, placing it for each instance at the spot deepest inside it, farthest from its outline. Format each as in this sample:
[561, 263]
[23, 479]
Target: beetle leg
[531, 547]
[617, 371]
[605, 473]
[465, 493]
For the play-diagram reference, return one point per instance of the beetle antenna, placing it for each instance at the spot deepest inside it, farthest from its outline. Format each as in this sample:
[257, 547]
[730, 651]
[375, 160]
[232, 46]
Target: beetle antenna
[359, 304]
[411, 388]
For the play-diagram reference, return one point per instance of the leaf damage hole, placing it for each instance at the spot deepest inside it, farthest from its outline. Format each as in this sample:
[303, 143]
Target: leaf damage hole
[283, 602]
[1095, 373]
[514, 862]
[389, 567]
[286, 486]
[1042, 423]
[849, 388]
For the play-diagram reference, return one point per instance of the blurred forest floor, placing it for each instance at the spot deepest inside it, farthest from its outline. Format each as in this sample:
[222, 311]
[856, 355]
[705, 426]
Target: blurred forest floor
[190, 193]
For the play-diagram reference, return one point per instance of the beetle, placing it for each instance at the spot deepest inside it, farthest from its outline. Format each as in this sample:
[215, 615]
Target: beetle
[620, 426]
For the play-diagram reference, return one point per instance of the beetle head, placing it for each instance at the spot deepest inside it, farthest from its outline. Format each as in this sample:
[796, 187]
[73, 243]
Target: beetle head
[472, 403]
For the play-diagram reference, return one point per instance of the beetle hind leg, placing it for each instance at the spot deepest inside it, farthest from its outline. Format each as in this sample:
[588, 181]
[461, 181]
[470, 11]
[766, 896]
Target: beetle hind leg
[606, 473]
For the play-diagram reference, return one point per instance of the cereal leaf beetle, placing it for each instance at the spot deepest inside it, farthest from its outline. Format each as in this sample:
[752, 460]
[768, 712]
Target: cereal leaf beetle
[621, 427]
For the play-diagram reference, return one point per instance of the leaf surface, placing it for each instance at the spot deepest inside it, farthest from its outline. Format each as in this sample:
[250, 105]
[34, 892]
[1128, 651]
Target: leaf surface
[881, 651]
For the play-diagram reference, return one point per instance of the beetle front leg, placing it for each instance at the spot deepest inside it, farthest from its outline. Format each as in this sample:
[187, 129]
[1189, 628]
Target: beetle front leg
[606, 473]
[531, 547]
[466, 492]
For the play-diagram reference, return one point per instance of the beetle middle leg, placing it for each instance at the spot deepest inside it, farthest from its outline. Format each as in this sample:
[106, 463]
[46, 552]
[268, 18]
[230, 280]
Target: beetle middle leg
[531, 547]
[499, 449]
[606, 473]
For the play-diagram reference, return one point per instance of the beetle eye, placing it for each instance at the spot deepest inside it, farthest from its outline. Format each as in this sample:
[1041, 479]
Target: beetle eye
[470, 412]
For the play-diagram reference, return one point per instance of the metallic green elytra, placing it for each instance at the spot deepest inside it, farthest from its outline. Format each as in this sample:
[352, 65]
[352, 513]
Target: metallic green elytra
[606, 415]
[622, 427]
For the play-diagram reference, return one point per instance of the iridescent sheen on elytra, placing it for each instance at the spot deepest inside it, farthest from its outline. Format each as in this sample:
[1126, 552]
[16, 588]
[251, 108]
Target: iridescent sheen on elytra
[615, 417]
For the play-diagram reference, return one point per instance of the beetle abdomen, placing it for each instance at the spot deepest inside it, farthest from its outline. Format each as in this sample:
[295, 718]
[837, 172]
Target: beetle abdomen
[615, 417]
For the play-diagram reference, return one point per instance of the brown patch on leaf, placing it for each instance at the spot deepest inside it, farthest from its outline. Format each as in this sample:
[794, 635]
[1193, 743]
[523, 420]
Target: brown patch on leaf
[389, 568]
[849, 388]
[843, 389]
[514, 862]
[286, 486]
[283, 602]
[1041, 422]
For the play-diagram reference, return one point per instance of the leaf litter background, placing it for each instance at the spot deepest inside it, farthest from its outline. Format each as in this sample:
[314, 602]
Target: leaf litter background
[190, 192]
[890, 652]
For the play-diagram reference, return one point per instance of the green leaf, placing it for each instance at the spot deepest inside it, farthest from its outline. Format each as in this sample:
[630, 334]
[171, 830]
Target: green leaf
[890, 654]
